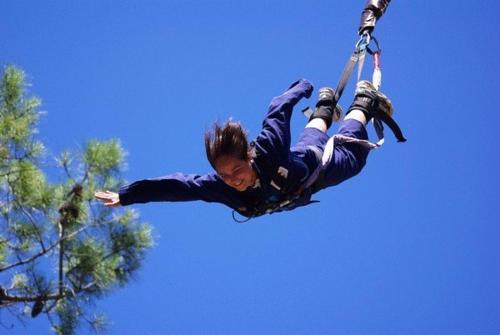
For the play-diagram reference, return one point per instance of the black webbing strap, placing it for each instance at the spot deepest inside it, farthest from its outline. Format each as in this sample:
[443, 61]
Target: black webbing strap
[357, 55]
[346, 74]
[389, 121]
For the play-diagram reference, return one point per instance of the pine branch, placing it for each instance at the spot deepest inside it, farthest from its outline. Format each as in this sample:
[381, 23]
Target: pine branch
[47, 250]
[61, 256]
[33, 223]
[66, 170]
[12, 299]
[6, 299]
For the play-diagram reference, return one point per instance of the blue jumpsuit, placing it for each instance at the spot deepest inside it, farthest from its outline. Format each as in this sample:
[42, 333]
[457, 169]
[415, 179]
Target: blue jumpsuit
[282, 170]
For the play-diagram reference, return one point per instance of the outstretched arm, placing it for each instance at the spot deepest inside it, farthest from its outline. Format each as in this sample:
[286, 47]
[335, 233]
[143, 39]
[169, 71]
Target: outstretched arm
[175, 187]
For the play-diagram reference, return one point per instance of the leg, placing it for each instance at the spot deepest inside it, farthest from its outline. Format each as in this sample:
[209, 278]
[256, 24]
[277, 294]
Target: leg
[317, 123]
[375, 104]
[370, 101]
[326, 111]
[345, 160]
[356, 114]
[320, 124]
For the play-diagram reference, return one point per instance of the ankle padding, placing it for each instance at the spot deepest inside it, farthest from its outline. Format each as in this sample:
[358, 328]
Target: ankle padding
[323, 111]
[366, 102]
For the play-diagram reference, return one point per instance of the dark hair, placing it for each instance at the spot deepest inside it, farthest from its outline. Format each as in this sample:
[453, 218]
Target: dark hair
[227, 140]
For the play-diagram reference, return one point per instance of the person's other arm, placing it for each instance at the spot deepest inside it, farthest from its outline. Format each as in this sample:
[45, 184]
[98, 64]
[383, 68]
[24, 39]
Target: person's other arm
[274, 139]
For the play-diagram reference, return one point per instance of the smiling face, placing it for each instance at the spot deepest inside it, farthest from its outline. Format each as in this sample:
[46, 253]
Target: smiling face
[235, 172]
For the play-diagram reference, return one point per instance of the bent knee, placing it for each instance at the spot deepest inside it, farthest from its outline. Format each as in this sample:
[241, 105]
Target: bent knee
[348, 162]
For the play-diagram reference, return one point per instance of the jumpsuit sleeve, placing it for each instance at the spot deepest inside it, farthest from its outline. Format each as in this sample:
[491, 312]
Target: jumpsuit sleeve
[175, 187]
[274, 139]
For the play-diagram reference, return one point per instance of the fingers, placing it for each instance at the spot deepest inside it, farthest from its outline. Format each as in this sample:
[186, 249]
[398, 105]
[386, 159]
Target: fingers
[112, 204]
[102, 194]
[105, 195]
[109, 199]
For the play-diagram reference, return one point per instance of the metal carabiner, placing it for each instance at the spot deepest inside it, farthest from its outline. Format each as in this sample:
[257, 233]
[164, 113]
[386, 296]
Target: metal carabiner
[363, 42]
[377, 45]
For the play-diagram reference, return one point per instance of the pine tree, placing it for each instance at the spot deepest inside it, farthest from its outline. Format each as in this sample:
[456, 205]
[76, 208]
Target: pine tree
[60, 251]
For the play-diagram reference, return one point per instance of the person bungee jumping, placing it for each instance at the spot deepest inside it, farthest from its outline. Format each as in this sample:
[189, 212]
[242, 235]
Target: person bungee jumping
[268, 175]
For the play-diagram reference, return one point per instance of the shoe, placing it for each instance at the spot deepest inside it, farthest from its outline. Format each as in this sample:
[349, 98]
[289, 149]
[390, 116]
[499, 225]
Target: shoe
[370, 100]
[326, 94]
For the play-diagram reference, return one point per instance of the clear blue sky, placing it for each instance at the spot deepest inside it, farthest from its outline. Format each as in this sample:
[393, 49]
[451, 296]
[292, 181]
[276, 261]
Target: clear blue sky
[410, 246]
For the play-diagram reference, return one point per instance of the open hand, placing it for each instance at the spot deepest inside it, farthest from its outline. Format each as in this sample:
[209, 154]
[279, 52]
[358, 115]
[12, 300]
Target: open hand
[109, 199]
